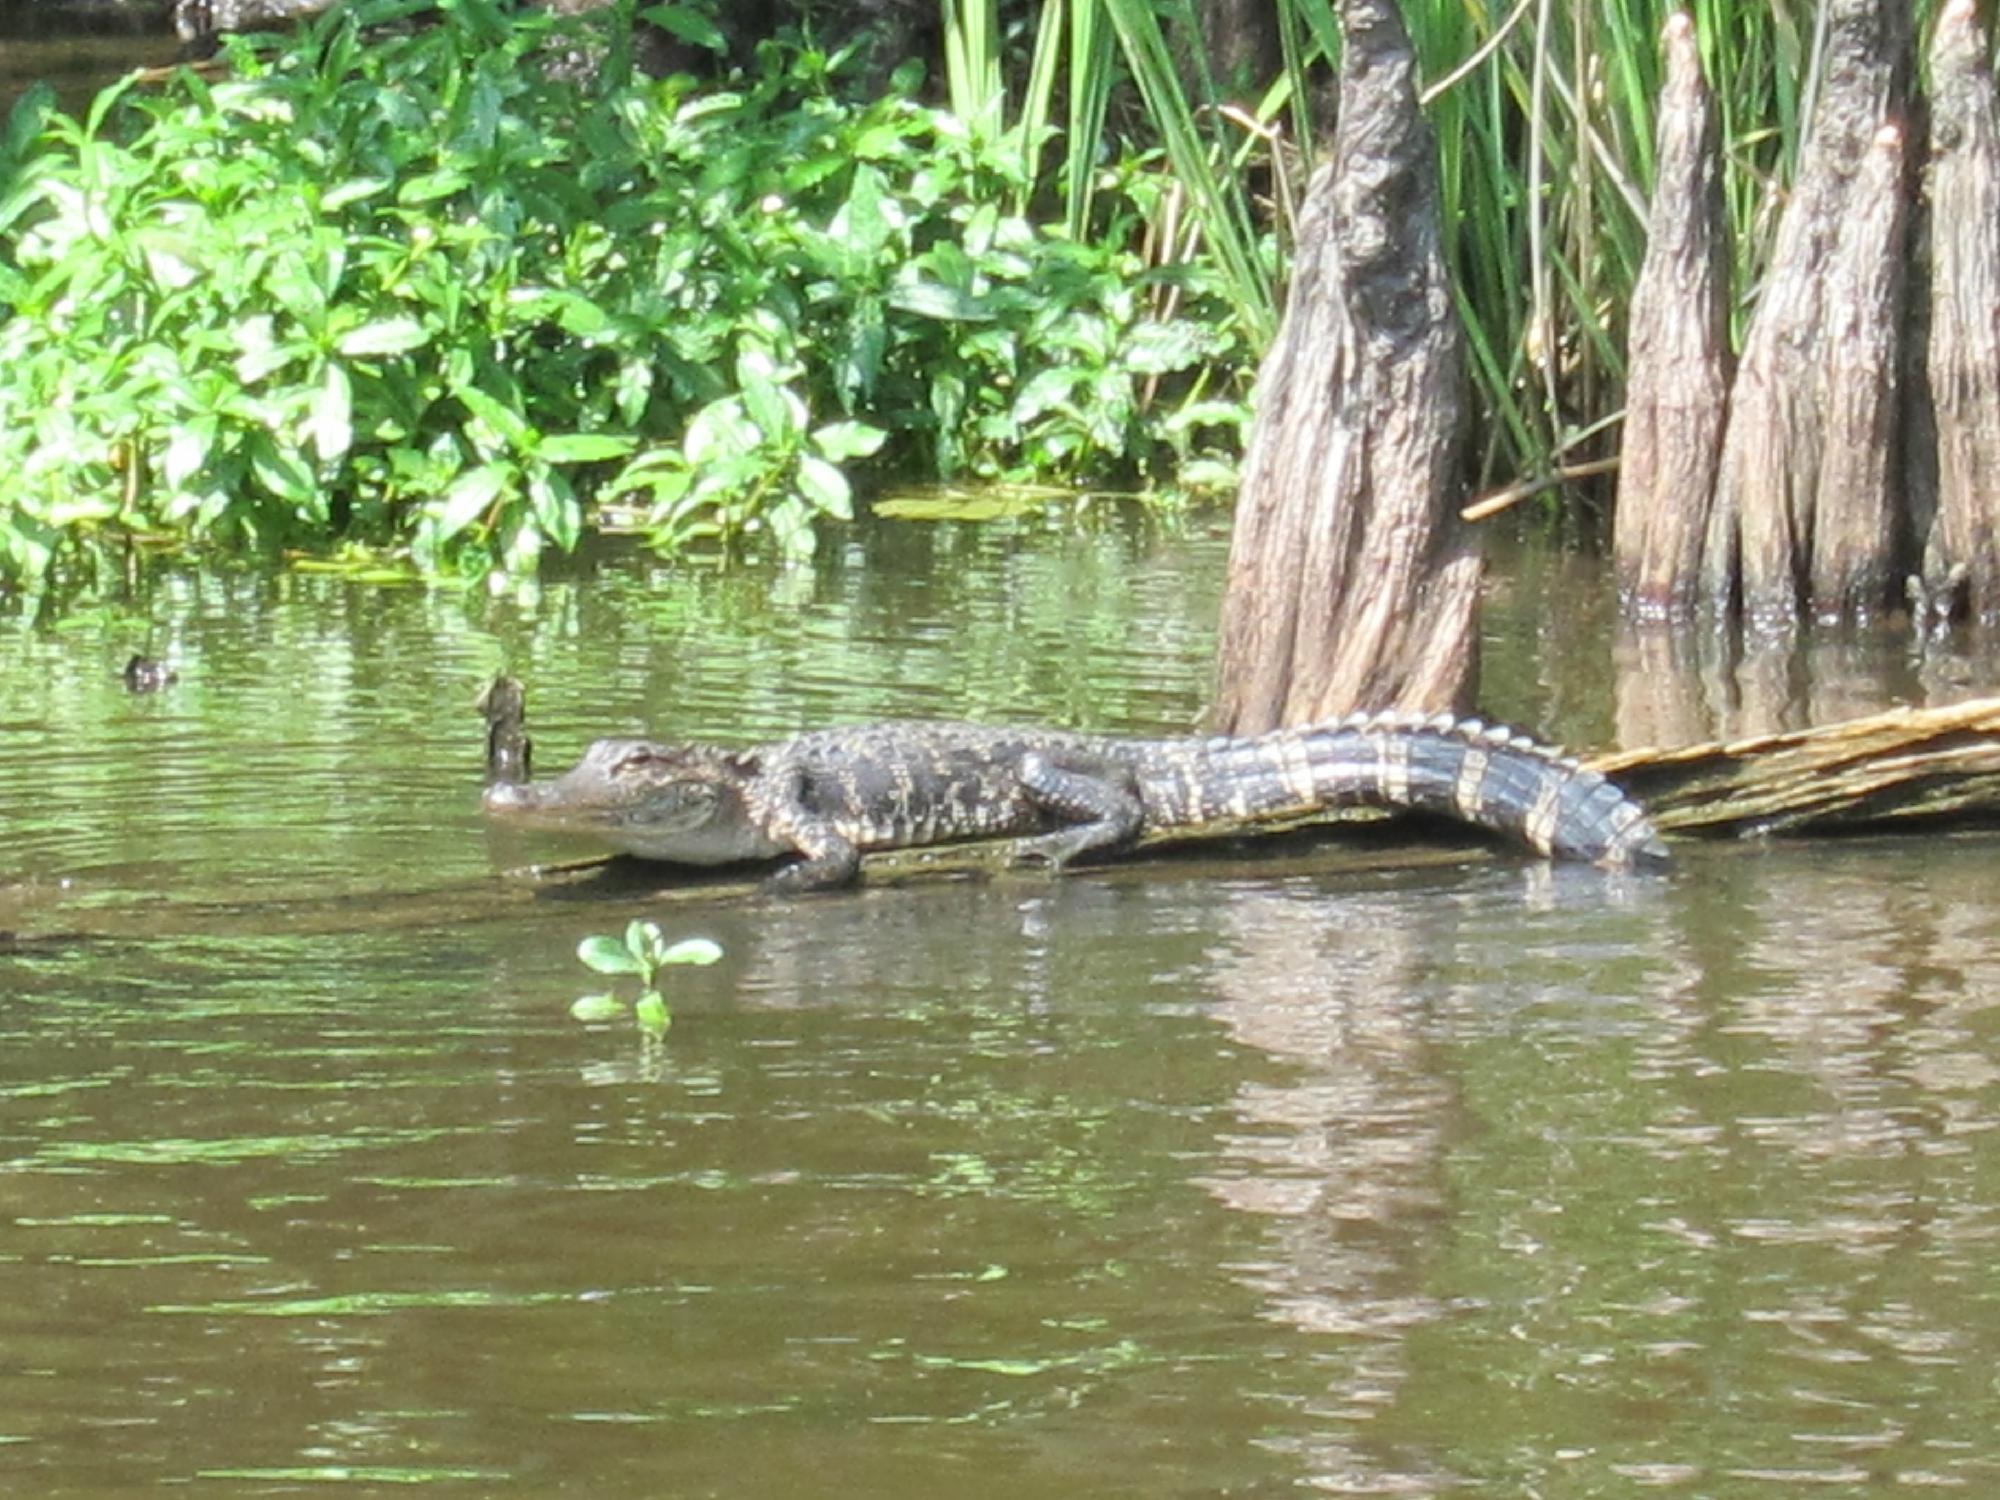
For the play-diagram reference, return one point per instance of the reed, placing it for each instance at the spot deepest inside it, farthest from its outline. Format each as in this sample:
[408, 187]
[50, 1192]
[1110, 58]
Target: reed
[1544, 112]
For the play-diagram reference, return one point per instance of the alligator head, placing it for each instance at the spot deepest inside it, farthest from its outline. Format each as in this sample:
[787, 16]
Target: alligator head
[687, 804]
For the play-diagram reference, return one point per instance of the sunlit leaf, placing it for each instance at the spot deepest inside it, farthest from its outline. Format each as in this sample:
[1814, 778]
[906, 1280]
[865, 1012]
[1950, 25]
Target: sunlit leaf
[643, 939]
[689, 24]
[468, 498]
[826, 487]
[583, 447]
[433, 186]
[693, 951]
[597, 1007]
[389, 336]
[933, 299]
[279, 470]
[355, 190]
[607, 955]
[332, 418]
[650, 1010]
[187, 451]
[840, 441]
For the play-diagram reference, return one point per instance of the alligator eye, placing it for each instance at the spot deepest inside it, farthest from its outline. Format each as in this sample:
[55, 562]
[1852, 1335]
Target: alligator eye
[633, 761]
[698, 796]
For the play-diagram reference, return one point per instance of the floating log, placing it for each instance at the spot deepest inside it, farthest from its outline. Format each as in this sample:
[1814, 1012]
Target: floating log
[1895, 768]
[1353, 583]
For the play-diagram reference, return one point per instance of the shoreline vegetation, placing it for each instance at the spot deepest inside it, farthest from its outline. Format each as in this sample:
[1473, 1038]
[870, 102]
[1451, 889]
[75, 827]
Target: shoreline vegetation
[418, 290]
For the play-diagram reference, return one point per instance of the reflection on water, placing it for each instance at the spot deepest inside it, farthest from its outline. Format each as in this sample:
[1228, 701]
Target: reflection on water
[77, 54]
[1197, 1178]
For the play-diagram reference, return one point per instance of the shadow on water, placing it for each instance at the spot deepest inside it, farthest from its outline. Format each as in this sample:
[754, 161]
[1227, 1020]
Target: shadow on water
[78, 49]
[1372, 1175]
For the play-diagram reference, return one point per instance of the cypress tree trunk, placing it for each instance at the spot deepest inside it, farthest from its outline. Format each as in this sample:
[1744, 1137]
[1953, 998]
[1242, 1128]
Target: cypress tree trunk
[1678, 392]
[1962, 559]
[1759, 554]
[1352, 581]
[1856, 533]
[1243, 45]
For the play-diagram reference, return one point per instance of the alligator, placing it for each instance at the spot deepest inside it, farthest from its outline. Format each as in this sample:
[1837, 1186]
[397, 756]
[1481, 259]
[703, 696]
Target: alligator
[832, 794]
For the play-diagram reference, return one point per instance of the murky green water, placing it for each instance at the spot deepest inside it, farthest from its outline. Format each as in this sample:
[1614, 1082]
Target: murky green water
[1188, 1179]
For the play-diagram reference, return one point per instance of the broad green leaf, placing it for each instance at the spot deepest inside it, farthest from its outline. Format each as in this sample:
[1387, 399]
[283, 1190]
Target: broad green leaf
[689, 24]
[332, 419]
[933, 299]
[702, 951]
[720, 432]
[353, 191]
[280, 471]
[506, 422]
[840, 441]
[1162, 348]
[650, 1010]
[864, 223]
[430, 187]
[187, 451]
[583, 447]
[597, 1007]
[826, 487]
[388, 336]
[607, 955]
[553, 502]
[777, 413]
[468, 498]
[644, 940]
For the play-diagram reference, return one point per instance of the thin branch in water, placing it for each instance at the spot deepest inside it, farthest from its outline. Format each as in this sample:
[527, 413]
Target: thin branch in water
[1526, 489]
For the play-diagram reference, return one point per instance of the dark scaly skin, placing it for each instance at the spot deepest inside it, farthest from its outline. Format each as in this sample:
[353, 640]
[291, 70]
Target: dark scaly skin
[829, 796]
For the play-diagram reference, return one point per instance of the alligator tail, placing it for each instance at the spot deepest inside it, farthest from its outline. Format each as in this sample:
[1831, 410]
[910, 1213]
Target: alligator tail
[1483, 774]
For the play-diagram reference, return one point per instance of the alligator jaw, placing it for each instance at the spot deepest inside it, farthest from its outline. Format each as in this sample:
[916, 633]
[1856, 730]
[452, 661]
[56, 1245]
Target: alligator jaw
[640, 798]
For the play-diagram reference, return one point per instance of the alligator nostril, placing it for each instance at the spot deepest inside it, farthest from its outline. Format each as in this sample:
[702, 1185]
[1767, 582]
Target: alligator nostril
[504, 796]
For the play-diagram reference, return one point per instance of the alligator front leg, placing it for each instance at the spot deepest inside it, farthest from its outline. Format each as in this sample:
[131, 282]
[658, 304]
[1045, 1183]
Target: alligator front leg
[828, 858]
[1098, 802]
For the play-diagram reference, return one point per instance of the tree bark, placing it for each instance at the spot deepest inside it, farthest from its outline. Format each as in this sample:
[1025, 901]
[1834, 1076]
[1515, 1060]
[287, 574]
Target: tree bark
[1855, 531]
[1352, 581]
[1244, 51]
[1962, 556]
[1677, 396]
[1758, 557]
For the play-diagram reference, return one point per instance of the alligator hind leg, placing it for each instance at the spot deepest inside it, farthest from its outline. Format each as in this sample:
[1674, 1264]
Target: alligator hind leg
[1097, 803]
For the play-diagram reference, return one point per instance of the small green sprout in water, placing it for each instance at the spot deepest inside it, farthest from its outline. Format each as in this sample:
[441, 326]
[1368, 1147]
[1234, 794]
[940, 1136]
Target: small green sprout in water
[643, 952]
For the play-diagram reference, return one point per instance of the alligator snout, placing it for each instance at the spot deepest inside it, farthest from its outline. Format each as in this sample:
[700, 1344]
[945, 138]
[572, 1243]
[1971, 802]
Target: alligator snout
[507, 796]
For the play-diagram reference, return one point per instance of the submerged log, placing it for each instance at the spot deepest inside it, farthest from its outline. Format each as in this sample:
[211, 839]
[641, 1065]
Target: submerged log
[1961, 567]
[1678, 392]
[1791, 443]
[1352, 581]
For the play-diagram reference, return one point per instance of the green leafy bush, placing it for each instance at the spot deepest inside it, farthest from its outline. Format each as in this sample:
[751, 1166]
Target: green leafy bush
[407, 288]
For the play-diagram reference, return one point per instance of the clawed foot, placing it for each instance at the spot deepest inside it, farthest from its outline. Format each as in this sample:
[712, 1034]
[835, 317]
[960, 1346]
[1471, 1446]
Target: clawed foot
[806, 877]
[1051, 852]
